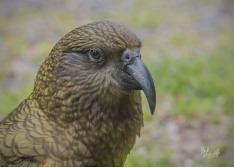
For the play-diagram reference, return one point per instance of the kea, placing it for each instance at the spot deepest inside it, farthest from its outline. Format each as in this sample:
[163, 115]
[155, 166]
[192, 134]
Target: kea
[85, 109]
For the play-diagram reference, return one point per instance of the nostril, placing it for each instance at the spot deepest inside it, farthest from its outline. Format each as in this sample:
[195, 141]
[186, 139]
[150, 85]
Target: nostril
[127, 57]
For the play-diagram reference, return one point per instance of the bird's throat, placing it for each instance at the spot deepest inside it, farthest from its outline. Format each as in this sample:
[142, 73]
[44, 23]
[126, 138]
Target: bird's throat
[109, 126]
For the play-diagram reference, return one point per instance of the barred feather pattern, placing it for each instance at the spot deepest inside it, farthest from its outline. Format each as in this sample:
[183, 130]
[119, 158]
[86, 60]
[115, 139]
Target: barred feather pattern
[77, 114]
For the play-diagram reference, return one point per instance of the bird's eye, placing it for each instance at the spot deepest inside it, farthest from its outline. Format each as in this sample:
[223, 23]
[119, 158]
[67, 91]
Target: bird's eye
[95, 55]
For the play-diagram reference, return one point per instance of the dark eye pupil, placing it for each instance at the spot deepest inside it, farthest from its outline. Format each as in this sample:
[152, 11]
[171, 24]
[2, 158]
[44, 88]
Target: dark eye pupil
[95, 54]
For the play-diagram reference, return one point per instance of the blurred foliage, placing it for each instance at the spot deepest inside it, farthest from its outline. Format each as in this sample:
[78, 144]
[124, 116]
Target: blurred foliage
[12, 98]
[206, 80]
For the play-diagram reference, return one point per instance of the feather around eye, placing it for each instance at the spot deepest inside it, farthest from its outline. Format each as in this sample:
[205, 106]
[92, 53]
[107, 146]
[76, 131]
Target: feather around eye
[95, 55]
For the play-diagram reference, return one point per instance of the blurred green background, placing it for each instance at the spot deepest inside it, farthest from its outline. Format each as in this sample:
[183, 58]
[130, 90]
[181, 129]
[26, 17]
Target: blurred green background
[187, 45]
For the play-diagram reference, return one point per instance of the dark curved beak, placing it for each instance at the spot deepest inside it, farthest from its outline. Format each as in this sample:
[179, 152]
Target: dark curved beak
[142, 78]
[140, 73]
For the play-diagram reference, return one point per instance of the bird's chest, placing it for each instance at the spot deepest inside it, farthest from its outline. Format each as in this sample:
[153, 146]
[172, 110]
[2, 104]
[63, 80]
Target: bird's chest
[105, 142]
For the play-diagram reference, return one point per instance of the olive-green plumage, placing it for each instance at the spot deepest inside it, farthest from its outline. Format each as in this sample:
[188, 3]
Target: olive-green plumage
[85, 109]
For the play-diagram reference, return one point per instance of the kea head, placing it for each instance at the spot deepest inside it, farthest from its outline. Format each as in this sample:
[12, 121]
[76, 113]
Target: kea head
[99, 57]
